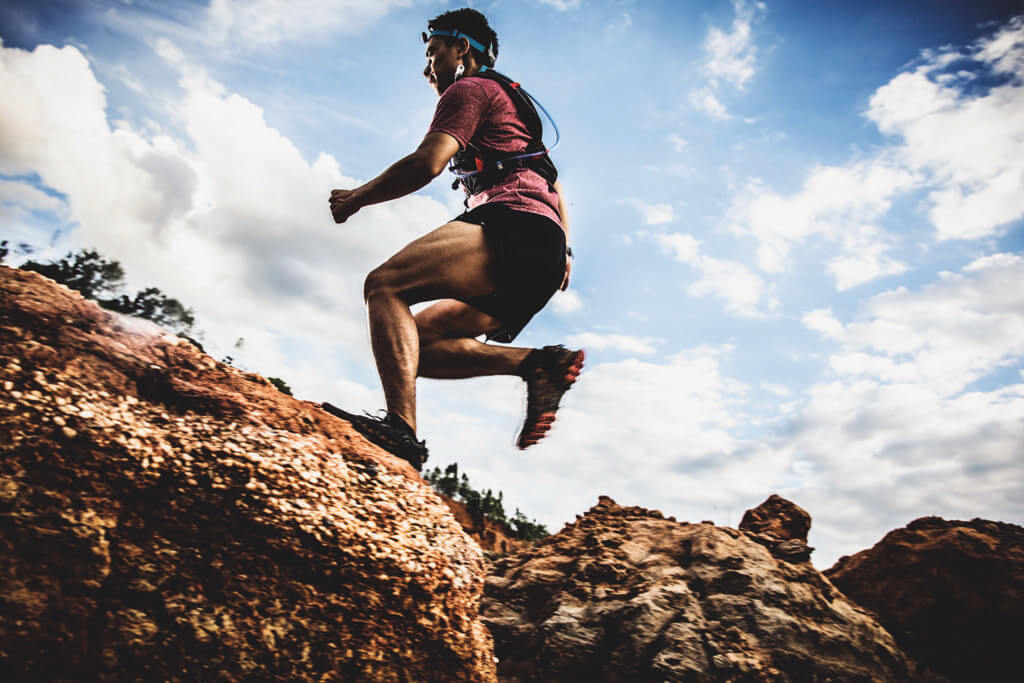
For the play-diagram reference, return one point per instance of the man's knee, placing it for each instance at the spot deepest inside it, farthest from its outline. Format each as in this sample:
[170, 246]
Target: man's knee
[380, 282]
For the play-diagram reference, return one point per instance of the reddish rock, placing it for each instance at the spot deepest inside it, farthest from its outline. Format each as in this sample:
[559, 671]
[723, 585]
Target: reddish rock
[167, 517]
[778, 517]
[950, 592]
[624, 594]
[489, 535]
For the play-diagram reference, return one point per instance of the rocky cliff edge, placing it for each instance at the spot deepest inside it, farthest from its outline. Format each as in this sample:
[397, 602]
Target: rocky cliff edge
[167, 517]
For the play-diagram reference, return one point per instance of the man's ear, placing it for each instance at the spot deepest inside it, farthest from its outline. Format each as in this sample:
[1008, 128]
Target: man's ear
[463, 46]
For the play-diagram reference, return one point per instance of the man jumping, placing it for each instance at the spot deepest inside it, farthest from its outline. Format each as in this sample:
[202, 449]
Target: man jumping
[491, 268]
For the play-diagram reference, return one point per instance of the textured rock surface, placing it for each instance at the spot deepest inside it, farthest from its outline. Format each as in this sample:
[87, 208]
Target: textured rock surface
[950, 592]
[489, 535]
[626, 595]
[781, 526]
[166, 517]
[778, 517]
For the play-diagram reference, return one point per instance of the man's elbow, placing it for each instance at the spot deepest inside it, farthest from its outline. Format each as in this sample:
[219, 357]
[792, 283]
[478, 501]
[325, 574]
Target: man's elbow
[436, 166]
[430, 165]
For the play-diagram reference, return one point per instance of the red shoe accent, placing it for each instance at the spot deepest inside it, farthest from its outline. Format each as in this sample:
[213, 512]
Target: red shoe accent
[549, 373]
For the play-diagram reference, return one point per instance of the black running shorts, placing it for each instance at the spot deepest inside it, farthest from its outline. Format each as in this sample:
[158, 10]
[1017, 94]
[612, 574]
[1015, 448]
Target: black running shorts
[530, 265]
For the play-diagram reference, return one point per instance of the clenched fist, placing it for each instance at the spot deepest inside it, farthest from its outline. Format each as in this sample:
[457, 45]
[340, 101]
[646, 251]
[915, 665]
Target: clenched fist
[343, 205]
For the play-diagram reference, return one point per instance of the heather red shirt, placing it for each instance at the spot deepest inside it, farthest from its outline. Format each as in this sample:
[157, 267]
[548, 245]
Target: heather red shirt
[478, 111]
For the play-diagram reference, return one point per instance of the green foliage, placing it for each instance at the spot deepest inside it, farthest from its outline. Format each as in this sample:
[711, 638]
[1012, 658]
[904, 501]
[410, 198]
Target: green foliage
[281, 385]
[22, 248]
[483, 505]
[527, 529]
[152, 304]
[102, 279]
[86, 272]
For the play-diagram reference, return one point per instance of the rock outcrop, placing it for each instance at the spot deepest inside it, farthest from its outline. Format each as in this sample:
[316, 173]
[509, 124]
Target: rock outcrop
[167, 517]
[624, 594]
[777, 517]
[950, 592]
[490, 535]
[781, 526]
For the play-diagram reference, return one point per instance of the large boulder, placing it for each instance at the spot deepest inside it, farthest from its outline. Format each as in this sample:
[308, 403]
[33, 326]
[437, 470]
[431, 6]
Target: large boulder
[950, 592]
[624, 594]
[167, 517]
[777, 517]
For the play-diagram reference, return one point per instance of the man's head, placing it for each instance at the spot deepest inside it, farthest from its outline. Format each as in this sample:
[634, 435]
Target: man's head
[459, 37]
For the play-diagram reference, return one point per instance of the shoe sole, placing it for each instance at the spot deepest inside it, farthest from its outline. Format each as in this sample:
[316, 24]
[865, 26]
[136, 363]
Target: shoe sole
[544, 422]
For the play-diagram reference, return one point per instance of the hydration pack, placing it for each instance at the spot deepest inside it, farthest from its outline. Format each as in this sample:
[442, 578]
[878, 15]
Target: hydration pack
[480, 169]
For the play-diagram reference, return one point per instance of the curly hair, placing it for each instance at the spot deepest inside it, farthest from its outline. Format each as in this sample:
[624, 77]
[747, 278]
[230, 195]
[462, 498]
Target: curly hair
[472, 23]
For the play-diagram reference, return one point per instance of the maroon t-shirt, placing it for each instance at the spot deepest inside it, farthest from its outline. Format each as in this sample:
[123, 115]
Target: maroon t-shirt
[479, 111]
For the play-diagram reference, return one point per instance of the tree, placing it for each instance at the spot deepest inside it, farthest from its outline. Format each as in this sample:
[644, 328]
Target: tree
[483, 505]
[152, 304]
[281, 385]
[101, 279]
[86, 272]
[528, 530]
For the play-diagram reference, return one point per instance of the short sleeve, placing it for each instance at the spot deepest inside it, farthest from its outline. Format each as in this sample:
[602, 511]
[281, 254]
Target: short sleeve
[461, 110]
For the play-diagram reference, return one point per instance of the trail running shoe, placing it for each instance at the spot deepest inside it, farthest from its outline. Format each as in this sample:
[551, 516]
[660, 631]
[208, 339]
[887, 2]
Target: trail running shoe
[549, 373]
[389, 432]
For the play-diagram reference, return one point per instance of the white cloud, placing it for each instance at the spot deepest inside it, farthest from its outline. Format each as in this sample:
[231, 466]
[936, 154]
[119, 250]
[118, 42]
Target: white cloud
[233, 221]
[566, 302]
[779, 390]
[621, 25]
[705, 100]
[678, 142]
[128, 79]
[269, 22]
[876, 456]
[971, 146]
[900, 432]
[731, 281]
[966, 150]
[617, 342]
[654, 214]
[943, 337]
[824, 322]
[647, 433]
[684, 248]
[839, 203]
[863, 258]
[564, 5]
[25, 211]
[19, 194]
[732, 56]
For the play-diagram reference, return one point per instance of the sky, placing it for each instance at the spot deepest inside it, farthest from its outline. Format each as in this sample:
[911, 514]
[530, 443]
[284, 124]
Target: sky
[798, 228]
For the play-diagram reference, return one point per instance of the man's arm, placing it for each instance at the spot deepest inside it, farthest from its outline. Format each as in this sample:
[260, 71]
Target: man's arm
[564, 214]
[403, 177]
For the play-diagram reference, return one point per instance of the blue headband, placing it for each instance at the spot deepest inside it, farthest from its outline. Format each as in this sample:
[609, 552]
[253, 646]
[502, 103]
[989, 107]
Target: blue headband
[473, 42]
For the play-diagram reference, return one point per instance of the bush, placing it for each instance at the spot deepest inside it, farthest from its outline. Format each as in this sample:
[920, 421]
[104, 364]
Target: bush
[483, 505]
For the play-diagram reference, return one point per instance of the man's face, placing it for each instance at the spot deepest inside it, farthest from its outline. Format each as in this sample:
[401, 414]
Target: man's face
[441, 63]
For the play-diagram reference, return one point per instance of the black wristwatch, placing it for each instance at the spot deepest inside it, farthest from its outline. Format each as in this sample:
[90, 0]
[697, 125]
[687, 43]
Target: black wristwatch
[568, 252]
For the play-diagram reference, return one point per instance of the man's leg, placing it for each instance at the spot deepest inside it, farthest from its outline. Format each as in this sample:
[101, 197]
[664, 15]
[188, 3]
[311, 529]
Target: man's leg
[449, 350]
[452, 261]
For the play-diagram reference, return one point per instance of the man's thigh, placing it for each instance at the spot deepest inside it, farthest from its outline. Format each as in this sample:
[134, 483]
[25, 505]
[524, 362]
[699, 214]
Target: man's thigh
[451, 319]
[453, 261]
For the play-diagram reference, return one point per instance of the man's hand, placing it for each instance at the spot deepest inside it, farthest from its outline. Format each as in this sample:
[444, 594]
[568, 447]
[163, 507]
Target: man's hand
[343, 204]
[568, 269]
